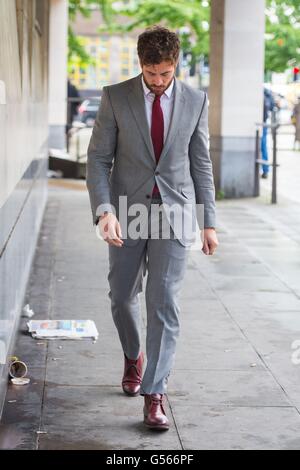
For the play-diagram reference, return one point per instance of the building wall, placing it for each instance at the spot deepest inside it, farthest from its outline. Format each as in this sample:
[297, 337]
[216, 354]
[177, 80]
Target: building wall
[23, 155]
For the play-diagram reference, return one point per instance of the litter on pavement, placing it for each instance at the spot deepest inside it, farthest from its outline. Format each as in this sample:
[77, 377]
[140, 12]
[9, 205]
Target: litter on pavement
[62, 329]
[20, 380]
[27, 311]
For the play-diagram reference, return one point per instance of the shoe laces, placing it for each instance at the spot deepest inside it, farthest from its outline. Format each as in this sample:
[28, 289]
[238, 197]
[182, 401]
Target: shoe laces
[157, 400]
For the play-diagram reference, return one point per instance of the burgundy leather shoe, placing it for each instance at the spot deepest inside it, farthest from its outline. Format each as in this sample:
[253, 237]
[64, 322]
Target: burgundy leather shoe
[132, 378]
[154, 413]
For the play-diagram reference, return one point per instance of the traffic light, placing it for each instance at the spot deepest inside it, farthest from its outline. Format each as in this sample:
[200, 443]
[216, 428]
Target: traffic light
[296, 71]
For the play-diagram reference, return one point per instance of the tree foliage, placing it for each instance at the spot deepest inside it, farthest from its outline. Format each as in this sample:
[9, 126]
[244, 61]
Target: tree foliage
[282, 44]
[190, 18]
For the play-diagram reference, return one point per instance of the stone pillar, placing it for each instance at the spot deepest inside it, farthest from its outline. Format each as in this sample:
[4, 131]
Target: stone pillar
[58, 52]
[235, 91]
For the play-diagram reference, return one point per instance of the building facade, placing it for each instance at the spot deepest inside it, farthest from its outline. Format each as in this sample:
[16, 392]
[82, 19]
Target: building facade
[24, 82]
[115, 60]
[114, 57]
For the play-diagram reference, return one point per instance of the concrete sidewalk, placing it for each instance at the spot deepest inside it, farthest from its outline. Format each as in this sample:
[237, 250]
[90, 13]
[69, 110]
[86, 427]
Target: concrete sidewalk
[234, 385]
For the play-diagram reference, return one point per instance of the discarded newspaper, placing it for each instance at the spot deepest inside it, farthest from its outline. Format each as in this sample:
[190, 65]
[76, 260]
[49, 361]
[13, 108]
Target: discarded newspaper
[62, 329]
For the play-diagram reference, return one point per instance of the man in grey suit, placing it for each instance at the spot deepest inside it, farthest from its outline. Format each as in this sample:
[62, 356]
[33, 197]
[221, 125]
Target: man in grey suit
[149, 148]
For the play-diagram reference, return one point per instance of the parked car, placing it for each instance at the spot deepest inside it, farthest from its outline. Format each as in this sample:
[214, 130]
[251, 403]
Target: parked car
[87, 111]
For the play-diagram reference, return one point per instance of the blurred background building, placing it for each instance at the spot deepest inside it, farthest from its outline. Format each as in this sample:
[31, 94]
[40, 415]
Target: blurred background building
[114, 56]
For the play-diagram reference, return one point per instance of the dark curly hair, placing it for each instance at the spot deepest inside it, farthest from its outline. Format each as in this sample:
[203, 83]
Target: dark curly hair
[157, 44]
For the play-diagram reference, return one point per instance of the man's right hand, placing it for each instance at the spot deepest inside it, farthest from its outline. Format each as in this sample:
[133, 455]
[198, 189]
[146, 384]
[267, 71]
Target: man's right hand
[110, 229]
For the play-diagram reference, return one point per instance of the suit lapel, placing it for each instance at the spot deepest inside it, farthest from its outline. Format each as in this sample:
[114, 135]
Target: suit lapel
[176, 117]
[137, 105]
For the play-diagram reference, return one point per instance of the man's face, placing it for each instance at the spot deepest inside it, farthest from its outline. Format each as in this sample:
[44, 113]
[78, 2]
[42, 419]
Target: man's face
[158, 76]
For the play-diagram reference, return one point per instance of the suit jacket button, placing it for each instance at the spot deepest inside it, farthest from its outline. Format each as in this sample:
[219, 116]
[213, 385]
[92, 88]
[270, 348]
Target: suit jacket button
[157, 173]
[148, 196]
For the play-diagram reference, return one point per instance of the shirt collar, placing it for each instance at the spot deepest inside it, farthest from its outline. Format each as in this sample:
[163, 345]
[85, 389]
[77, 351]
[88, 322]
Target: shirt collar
[168, 91]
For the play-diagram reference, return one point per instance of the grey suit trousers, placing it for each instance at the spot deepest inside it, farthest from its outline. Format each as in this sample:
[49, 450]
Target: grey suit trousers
[165, 260]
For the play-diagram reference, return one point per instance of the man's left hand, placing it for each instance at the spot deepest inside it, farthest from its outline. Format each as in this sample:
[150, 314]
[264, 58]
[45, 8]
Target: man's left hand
[210, 241]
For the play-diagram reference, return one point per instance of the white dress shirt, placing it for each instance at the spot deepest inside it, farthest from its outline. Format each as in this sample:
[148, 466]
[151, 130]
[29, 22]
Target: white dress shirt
[166, 103]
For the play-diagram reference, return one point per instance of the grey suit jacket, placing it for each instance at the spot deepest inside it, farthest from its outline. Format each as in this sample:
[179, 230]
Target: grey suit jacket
[121, 159]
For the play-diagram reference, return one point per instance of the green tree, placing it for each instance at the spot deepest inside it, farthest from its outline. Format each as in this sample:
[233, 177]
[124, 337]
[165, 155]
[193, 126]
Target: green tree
[76, 50]
[282, 45]
[189, 17]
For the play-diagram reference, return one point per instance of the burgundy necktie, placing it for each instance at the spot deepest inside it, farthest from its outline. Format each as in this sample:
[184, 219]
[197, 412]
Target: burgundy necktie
[157, 133]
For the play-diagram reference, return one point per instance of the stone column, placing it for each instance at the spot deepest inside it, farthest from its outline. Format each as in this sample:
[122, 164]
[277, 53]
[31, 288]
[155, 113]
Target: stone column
[235, 91]
[58, 51]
